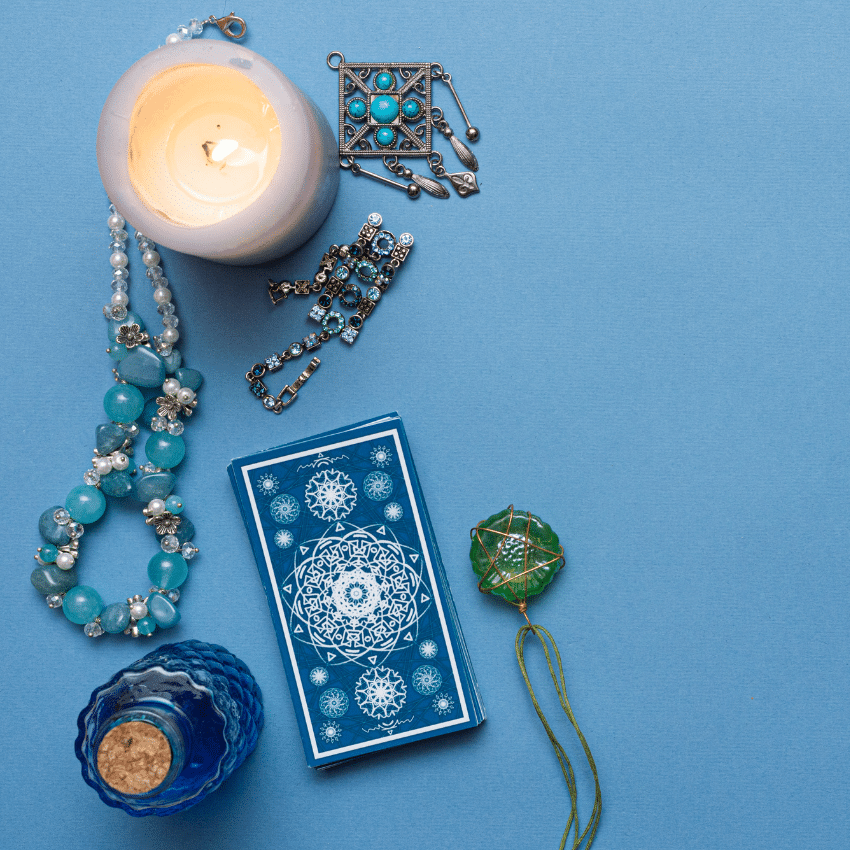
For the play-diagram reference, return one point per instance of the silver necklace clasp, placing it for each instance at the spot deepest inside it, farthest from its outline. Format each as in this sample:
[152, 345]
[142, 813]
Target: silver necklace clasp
[231, 25]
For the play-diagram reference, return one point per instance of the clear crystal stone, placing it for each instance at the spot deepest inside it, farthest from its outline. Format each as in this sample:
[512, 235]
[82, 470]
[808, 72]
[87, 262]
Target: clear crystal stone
[170, 321]
[119, 284]
[61, 516]
[147, 245]
[268, 402]
[154, 272]
[120, 273]
[195, 27]
[173, 595]
[146, 468]
[119, 235]
[114, 245]
[93, 630]
[112, 209]
[131, 429]
[75, 530]
[91, 476]
[118, 312]
[175, 428]
[169, 543]
[166, 309]
[375, 219]
[188, 551]
[54, 600]
[183, 32]
[159, 423]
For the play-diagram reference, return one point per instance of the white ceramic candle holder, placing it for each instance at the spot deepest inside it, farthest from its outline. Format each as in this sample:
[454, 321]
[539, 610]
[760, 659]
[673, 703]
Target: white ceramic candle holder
[208, 149]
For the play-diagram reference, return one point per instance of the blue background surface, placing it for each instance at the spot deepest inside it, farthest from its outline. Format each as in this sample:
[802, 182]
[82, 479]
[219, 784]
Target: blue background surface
[638, 330]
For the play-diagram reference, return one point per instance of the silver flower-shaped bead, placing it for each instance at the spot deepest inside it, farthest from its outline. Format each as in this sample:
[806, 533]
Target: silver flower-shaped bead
[131, 335]
[164, 523]
[171, 407]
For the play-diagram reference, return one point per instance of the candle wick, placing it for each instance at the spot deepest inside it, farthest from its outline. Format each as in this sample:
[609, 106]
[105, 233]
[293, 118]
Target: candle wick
[208, 149]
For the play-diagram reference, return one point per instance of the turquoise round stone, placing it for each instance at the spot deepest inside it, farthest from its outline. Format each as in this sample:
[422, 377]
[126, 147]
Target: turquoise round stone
[384, 81]
[123, 403]
[114, 326]
[115, 617]
[146, 626]
[48, 553]
[174, 505]
[117, 351]
[168, 570]
[385, 137]
[357, 108]
[165, 450]
[384, 109]
[82, 604]
[85, 504]
[163, 610]
[411, 108]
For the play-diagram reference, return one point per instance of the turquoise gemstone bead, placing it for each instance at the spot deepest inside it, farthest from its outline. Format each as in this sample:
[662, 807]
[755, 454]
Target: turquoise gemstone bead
[49, 552]
[357, 108]
[154, 485]
[163, 610]
[411, 108]
[108, 437]
[117, 351]
[165, 450]
[384, 80]
[185, 532]
[167, 570]
[50, 530]
[115, 617]
[385, 136]
[115, 324]
[85, 504]
[146, 626]
[172, 362]
[173, 504]
[384, 109]
[191, 378]
[123, 403]
[142, 367]
[118, 484]
[82, 604]
[51, 579]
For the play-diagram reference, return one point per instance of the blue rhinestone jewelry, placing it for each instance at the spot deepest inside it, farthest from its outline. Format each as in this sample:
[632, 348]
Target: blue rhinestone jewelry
[380, 100]
[142, 363]
[375, 257]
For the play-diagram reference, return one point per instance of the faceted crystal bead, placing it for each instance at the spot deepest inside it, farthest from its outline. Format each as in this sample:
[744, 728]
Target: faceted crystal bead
[166, 309]
[175, 428]
[188, 552]
[173, 595]
[169, 543]
[131, 429]
[119, 235]
[118, 313]
[195, 27]
[54, 600]
[119, 285]
[170, 321]
[75, 530]
[159, 423]
[183, 32]
[61, 516]
[91, 476]
[93, 630]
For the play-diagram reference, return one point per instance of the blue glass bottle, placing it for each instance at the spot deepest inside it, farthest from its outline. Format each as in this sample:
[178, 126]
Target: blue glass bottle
[203, 700]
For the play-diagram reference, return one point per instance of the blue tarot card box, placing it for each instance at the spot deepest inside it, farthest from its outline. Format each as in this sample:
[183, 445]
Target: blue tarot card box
[366, 624]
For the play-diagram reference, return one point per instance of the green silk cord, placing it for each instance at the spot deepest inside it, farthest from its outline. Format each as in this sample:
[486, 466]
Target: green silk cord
[566, 768]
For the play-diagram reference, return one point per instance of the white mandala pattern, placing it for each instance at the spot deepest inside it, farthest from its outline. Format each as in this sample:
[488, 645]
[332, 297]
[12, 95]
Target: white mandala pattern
[333, 702]
[283, 538]
[378, 486]
[443, 704]
[426, 680]
[428, 649]
[393, 511]
[357, 594]
[381, 456]
[285, 509]
[380, 692]
[319, 676]
[267, 484]
[330, 732]
[331, 495]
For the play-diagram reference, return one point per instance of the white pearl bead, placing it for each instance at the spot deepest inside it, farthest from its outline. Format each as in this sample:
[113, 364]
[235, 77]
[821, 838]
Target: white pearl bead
[120, 298]
[115, 222]
[150, 258]
[162, 295]
[64, 561]
[170, 335]
[120, 461]
[118, 260]
[156, 507]
[173, 38]
[171, 386]
[103, 465]
[138, 610]
[185, 395]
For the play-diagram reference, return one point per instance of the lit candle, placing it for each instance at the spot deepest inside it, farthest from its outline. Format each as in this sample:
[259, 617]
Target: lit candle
[208, 149]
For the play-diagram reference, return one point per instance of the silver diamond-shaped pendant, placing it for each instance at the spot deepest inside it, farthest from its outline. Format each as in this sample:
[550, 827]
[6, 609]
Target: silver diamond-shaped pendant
[464, 182]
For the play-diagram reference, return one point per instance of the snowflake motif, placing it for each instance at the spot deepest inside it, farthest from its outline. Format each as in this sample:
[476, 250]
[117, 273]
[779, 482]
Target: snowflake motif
[393, 511]
[333, 702]
[443, 704]
[381, 456]
[267, 484]
[380, 692]
[378, 486]
[131, 335]
[330, 495]
[283, 538]
[330, 732]
[285, 509]
[164, 523]
[428, 649]
[319, 676]
[426, 680]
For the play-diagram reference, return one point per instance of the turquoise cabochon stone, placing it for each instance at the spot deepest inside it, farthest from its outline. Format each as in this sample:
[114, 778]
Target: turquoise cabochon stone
[85, 504]
[82, 604]
[154, 485]
[51, 579]
[123, 403]
[165, 450]
[167, 570]
[384, 109]
[142, 367]
[163, 610]
[108, 437]
[115, 617]
[118, 484]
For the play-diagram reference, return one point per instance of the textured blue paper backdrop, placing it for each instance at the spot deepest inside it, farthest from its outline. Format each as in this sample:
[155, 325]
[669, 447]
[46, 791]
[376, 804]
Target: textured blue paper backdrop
[637, 330]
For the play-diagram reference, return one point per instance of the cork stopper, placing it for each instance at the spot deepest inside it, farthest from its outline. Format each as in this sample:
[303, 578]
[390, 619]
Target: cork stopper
[134, 757]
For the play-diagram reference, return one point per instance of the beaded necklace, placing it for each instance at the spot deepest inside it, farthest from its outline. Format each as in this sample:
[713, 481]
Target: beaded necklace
[142, 363]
